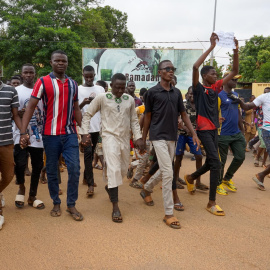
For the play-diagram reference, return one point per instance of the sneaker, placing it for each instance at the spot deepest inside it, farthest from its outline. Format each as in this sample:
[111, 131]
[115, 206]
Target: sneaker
[221, 190]
[2, 200]
[2, 221]
[229, 184]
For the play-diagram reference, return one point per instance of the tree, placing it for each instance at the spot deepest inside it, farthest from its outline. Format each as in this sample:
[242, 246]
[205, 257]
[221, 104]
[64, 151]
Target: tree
[219, 69]
[254, 60]
[33, 29]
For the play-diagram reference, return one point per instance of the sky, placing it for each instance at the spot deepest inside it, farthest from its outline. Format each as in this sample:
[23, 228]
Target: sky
[192, 20]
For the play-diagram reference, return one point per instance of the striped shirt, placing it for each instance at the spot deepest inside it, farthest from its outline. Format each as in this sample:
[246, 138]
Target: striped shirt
[8, 100]
[58, 104]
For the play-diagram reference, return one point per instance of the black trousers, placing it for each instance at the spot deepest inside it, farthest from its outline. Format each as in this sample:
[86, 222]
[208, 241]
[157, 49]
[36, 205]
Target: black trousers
[113, 194]
[88, 159]
[209, 139]
[20, 159]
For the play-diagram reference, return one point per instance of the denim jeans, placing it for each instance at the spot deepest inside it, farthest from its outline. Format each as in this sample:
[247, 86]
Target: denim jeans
[68, 145]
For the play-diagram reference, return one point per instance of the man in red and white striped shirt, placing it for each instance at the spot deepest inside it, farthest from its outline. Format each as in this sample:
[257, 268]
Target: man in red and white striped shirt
[59, 94]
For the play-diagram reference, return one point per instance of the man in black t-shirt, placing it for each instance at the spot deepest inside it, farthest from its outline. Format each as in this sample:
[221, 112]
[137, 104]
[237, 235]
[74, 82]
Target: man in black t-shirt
[206, 103]
[163, 105]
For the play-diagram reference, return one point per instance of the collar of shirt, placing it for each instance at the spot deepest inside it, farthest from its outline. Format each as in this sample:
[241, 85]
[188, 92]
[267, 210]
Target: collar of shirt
[160, 88]
[54, 77]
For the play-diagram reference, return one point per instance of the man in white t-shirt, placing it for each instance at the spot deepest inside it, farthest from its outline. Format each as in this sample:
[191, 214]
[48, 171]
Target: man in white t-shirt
[87, 92]
[264, 101]
[35, 149]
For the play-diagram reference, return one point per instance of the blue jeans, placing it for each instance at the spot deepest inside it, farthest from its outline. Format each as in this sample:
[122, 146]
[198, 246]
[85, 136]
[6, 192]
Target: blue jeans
[68, 145]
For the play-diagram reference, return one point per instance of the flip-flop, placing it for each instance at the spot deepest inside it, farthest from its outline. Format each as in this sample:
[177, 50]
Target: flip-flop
[216, 210]
[56, 213]
[115, 217]
[179, 207]
[147, 199]
[191, 188]
[202, 187]
[38, 204]
[76, 216]
[259, 183]
[171, 220]
[19, 198]
[98, 167]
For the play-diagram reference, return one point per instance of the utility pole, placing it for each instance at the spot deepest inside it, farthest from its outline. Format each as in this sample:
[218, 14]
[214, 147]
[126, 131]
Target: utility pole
[214, 28]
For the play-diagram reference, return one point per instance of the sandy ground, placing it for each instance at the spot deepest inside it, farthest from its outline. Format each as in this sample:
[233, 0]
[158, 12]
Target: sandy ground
[32, 239]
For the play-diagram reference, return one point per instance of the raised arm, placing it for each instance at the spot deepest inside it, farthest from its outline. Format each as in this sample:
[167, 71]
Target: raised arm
[235, 68]
[198, 63]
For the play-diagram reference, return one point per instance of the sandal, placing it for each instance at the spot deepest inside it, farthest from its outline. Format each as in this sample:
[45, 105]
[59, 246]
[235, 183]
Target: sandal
[179, 207]
[216, 210]
[76, 216]
[56, 213]
[19, 200]
[147, 199]
[191, 188]
[37, 204]
[43, 180]
[90, 192]
[172, 222]
[259, 183]
[98, 167]
[256, 162]
[136, 184]
[116, 217]
[202, 187]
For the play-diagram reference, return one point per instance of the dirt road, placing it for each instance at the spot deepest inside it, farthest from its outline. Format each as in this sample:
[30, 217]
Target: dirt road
[32, 239]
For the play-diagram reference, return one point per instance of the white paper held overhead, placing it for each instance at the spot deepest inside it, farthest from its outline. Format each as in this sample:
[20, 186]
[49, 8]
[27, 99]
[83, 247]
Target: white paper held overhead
[226, 39]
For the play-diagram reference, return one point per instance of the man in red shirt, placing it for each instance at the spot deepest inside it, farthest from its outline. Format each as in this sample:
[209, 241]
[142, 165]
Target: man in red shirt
[59, 94]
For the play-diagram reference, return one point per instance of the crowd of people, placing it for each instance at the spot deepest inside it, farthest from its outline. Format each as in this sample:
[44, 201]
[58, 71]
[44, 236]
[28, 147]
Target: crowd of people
[54, 119]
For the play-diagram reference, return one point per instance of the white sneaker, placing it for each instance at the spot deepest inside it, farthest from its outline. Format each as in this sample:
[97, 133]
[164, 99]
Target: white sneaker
[2, 200]
[2, 221]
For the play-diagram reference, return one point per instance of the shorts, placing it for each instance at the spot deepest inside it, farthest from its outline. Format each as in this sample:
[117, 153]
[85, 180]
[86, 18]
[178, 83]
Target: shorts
[262, 145]
[181, 145]
[266, 139]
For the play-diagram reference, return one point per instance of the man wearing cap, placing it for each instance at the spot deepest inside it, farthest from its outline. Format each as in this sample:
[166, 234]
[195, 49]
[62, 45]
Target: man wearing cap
[231, 135]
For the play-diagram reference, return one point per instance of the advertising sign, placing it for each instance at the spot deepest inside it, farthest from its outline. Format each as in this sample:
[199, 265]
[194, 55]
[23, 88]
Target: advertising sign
[141, 65]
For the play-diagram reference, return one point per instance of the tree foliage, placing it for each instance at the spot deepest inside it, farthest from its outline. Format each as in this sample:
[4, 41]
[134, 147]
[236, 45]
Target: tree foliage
[33, 29]
[254, 60]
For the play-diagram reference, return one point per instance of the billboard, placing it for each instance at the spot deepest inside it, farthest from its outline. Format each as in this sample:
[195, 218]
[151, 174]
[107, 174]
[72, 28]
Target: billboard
[141, 65]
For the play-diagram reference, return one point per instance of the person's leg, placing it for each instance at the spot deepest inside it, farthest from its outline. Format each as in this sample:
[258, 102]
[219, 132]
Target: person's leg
[223, 147]
[165, 153]
[260, 176]
[237, 145]
[6, 165]
[179, 153]
[20, 159]
[36, 155]
[53, 149]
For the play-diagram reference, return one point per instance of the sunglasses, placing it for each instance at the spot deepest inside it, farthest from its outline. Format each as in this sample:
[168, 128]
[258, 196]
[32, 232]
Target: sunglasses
[168, 69]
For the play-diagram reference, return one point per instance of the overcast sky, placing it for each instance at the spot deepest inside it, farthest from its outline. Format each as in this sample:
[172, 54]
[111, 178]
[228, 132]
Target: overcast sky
[192, 20]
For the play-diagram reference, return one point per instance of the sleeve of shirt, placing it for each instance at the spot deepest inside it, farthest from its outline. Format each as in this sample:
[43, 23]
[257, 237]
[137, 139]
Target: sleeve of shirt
[15, 100]
[134, 122]
[197, 87]
[181, 107]
[37, 90]
[259, 100]
[94, 107]
[217, 86]
[76, 92]
[148, 101]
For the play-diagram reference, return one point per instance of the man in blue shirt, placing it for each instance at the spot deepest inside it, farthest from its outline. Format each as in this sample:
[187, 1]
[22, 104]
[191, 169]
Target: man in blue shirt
[231, 135]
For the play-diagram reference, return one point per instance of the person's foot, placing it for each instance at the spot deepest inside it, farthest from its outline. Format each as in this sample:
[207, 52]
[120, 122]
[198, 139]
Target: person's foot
[129, 172]
[229, 184]
[201, 186]
[60, 192]
[76, 215]
[38, 204]
[181, 181]
[214, 209]
[27, 172]
[116, 214]
[193, 158]
[172, 221]
[20, 192]
[56, 211]
[190, 184]
[256, 162]
[221, 190]
[90, 191]
[43, 179]
[247, 150]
